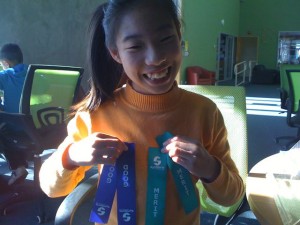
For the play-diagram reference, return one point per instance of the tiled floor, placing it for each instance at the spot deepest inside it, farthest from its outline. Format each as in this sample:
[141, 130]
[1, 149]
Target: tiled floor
[265, 121]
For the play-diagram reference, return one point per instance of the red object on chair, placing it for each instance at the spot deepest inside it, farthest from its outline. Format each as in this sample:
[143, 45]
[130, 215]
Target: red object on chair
[197, 75]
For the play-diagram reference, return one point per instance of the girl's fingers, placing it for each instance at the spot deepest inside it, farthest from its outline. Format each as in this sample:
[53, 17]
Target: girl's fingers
[105, 142]
[107, 152]
[107, 148]
[105, 160]
[181, 148]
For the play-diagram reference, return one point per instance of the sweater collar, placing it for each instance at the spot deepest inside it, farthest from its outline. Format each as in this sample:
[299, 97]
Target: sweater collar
[152, 103]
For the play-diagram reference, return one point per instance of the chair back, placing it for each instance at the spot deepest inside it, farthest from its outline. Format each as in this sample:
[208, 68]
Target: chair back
[197, 75]
[48, 93]
[293, 77]
[232, 103]
[284, 84]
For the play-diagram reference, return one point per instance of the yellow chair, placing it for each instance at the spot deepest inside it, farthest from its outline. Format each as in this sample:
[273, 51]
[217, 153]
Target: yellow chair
[232, 103]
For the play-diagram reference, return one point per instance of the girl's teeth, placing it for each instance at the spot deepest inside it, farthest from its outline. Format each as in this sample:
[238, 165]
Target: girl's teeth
[156, 76]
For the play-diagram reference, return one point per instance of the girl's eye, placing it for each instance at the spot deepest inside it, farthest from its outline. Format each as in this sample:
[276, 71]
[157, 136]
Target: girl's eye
[134, 47]
[167, 38]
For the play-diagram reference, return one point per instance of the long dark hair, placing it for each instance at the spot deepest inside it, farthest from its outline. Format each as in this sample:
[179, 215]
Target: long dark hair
[106, 73]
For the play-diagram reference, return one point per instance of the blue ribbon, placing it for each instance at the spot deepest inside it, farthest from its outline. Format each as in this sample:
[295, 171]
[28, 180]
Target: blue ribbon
[126, 195]
[103, 201]
[120, 178]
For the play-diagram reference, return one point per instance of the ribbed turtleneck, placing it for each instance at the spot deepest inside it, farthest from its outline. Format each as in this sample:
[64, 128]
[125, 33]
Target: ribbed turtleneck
[152, 103]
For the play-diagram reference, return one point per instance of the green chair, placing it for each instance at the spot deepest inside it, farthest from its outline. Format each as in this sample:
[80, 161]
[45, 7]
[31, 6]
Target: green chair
[284, 85]
[48, 93]
[232, 103]
[292, 103]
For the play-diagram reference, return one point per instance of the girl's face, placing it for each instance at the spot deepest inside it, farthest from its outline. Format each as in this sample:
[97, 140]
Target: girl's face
[148, 47]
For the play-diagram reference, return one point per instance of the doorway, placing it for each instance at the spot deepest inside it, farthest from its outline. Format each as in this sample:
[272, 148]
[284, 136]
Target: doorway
[225, 57]
[246, 51]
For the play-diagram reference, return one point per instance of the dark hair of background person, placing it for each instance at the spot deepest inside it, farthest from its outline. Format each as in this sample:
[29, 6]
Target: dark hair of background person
[11, 52]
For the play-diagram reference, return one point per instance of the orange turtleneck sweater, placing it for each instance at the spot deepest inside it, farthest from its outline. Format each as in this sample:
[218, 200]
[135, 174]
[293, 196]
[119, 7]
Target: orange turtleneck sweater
[137, 118]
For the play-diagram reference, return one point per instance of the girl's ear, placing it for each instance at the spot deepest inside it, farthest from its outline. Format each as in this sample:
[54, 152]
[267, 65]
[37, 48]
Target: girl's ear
[115, 55]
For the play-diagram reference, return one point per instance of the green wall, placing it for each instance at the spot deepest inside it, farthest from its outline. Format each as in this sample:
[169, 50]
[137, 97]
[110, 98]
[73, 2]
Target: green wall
[202, 27]
[246, 18]
[264, 19]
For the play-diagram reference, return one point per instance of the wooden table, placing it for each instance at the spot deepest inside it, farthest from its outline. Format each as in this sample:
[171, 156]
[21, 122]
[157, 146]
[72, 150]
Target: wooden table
[261, 190]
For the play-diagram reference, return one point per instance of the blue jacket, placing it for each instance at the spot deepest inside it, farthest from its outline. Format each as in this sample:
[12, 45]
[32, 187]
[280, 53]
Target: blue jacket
[11, 83]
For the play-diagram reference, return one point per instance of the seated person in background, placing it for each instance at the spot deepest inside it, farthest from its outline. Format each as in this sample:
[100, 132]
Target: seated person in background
[11, 84]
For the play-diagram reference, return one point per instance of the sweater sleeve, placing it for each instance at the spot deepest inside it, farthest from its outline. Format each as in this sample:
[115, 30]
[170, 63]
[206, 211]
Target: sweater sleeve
[3, 78]
[228, 187]
[55, 180]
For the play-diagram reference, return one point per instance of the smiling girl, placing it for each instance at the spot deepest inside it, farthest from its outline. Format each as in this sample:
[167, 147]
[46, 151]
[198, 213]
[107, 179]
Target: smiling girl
[143, 41]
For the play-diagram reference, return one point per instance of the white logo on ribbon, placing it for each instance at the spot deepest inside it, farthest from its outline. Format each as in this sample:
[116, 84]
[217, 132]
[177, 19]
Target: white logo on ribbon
[101, 211]
[157, 161]
[126, 217]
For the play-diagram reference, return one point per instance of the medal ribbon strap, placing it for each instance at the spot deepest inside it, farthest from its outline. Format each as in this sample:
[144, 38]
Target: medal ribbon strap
[121, 178]
[156, 187]
[104, 199]
[182, 178]
[126, 193]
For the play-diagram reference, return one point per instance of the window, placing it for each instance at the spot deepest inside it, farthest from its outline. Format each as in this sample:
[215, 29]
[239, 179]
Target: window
[289, 47]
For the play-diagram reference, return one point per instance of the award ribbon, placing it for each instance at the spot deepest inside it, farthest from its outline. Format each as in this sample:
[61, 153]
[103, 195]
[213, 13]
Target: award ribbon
[126, 195]
[182, 178]
[103, 201]
[120, 178]
[156, 187]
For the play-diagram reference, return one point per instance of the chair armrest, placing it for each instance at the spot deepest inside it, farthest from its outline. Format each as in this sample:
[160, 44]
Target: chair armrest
[83, 192]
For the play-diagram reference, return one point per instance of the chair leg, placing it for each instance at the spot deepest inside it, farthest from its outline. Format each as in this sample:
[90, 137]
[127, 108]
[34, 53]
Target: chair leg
[37, 162]
[291, 140]
[223, 220]
[287, 145]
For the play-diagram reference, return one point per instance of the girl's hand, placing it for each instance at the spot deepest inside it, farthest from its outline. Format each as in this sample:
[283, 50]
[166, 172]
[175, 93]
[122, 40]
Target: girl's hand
[97, 148]
[192, 156]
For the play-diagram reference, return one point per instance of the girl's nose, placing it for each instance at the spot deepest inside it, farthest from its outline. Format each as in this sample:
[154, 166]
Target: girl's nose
[154, 57]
